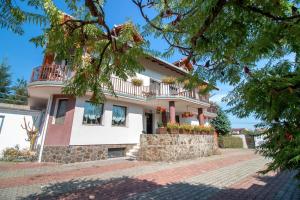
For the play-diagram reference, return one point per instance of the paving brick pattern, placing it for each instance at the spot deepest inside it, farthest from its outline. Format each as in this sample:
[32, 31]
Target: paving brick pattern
[231, 175]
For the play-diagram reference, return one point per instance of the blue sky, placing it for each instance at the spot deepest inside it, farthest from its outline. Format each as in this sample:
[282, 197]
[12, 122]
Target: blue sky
[23, 55]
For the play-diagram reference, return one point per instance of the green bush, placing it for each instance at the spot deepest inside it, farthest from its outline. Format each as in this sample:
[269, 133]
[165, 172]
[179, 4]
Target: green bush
[15, 154]
[230, 142]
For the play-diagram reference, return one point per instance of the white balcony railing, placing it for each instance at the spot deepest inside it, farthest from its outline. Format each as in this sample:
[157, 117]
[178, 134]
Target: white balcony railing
[61, 73]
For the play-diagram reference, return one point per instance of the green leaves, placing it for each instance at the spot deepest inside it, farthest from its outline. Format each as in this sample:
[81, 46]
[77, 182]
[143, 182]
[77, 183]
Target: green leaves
[221, 123]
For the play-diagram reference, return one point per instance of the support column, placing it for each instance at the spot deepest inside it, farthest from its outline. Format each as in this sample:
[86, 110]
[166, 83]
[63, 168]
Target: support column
[172, 112]
[200, 116]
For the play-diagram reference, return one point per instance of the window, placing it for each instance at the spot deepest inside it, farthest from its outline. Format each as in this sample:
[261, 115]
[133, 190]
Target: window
[62, 107]
[92, 113]
[1, 122]
[119, 116]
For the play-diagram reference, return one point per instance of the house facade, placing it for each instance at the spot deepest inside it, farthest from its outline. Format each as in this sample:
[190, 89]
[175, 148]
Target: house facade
[74, 125]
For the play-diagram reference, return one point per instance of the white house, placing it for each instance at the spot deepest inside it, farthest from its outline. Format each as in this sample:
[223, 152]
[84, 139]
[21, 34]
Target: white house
[73, 123]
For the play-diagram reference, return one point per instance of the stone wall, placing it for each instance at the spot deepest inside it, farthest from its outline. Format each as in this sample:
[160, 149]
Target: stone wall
[80, 153]
[171, 147]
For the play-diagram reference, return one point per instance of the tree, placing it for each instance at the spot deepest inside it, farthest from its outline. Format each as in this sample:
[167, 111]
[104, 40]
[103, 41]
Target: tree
[5, 78]
[221, 123]
[93, 49]
[226, 40]
[12, 16]
[19, 92]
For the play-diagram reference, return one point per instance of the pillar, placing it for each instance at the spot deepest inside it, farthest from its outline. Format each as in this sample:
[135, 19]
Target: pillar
[172, 112]
[201, 116]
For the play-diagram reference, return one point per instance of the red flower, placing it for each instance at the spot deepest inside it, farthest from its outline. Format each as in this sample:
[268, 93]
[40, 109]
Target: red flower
[288, 136]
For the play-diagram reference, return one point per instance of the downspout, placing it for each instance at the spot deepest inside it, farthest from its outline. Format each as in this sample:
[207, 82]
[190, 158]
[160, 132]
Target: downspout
[44, 131]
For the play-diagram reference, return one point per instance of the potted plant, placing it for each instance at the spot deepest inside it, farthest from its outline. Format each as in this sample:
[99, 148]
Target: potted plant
[185, 129]
[172, 128]
[169, 80]
[160, 110]
[161, 129]
[137, 82]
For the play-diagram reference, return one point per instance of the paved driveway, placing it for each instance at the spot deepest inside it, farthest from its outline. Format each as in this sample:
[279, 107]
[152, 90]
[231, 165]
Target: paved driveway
[231, 175]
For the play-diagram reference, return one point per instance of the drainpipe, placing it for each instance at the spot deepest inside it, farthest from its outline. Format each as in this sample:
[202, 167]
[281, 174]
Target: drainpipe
[45, 127]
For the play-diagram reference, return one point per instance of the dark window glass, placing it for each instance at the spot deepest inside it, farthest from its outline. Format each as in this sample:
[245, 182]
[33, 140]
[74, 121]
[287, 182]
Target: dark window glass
[62, 107]
[119, 116]
[92, 113]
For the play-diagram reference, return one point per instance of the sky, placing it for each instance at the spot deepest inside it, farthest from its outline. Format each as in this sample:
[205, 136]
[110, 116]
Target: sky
[23, 55]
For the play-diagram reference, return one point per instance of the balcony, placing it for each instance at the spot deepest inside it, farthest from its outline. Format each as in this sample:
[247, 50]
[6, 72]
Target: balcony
[51, 72]
[60, 73]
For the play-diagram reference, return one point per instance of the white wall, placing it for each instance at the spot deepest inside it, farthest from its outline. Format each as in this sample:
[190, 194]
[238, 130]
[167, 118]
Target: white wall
[12, 133]
[106, 133]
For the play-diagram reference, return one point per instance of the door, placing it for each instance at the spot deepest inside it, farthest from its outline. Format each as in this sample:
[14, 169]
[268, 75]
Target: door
[149, 123]
[154, 87]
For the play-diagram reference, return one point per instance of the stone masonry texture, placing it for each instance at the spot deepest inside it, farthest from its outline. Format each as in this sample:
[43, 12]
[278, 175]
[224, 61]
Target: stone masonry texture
[171, 147]
[80, 153]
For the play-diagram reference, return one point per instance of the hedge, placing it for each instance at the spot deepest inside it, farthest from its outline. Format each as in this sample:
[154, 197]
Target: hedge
[230, 142]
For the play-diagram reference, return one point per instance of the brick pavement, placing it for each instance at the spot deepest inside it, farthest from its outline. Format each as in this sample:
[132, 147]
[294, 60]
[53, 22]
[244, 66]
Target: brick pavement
[231, 175]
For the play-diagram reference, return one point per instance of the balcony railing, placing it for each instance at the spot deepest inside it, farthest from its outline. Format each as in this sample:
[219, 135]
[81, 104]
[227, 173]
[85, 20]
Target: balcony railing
[61, 73]
[51, 72]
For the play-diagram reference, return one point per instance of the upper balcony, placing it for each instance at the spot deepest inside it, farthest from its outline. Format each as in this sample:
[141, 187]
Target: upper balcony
[57, 74]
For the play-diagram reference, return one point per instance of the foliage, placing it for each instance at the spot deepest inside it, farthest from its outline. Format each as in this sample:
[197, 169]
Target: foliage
[12, 16]
[189, 129]
[273, 95]
[15, 154]
[93, 49]
[221, 123]
[5, 78]
[137, 82]
[169, 80]
[17, 93]
[230, 142]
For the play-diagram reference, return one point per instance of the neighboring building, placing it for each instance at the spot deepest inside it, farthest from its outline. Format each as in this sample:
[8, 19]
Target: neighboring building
[73, 123]
[11, 118]
[238, 131]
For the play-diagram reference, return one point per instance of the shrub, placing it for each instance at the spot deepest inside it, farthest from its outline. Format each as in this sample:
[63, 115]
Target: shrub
[15, 154]
[137, 82]
[186, 128]
[201, 129]
[230, 142]
[172, 128]
[169, 80]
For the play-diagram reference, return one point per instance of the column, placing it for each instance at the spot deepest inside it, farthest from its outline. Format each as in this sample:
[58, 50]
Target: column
[200, 116]
[172, 112]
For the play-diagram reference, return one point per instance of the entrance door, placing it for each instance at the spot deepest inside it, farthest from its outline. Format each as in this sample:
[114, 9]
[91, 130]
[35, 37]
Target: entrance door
[149, 123]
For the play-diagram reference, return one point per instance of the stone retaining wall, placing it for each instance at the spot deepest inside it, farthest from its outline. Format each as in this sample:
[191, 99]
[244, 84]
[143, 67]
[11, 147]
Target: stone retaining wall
[80, 153]
[171, 147]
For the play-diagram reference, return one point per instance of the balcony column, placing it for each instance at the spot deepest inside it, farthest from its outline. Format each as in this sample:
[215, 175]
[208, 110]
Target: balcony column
[172, 112]
[201, 116]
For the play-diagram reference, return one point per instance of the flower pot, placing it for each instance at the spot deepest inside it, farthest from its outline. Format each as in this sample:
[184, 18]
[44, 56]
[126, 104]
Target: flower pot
[173, 131]
[161, 130]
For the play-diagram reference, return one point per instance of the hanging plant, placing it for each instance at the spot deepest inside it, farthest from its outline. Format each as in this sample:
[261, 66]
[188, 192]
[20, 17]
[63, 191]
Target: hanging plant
[160, 109]
[137, 82]
[202, 87]
[169, 80]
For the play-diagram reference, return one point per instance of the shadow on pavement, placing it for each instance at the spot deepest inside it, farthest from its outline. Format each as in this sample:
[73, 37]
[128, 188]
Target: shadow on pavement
[280, 186]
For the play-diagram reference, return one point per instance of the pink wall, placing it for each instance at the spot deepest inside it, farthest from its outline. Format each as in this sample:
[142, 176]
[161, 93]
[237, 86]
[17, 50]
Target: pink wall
[60, 134]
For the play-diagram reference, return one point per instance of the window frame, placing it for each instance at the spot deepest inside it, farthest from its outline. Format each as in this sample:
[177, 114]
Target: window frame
[1, 122]
[123, 125]
[56, 111]
[101, 116]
